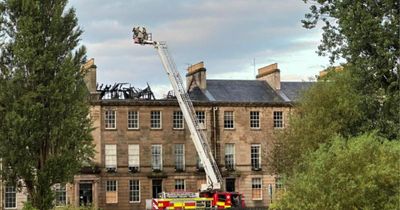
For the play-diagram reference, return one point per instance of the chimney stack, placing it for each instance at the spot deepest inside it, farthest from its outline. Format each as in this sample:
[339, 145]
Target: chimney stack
[90, 77]
[271, 74]
[196, 76]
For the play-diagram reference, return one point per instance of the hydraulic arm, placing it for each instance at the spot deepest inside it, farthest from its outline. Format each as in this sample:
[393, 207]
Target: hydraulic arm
[214, 178]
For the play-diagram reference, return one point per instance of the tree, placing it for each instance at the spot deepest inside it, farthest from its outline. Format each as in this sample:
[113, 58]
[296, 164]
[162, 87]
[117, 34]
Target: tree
[329, 108]
[45, 129]
[355, 173]
[366, 34]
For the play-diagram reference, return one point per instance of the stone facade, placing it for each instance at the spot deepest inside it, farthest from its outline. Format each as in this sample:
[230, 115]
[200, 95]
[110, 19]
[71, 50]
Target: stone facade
[90, 187]
[241, 135]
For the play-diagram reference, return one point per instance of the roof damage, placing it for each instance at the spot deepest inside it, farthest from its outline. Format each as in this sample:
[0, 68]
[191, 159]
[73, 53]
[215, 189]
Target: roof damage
[124, 91]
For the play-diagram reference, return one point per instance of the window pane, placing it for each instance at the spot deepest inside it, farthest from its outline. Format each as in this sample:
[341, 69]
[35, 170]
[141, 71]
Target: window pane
[256, 188]
[179, 157]
[111, 191]
[179, 184]
[155, 119]
[278, 119]
[255, 119]
[133, 153]
[61, 195]
[177, 121]
[133, 120]
[10, 197]
[228, 119]
[111, 155]
[134, 191]
[199, 164]
[201, 117]
[156, 157]
[255, 157]
[111, 185]
[230, 156]
[109, 119]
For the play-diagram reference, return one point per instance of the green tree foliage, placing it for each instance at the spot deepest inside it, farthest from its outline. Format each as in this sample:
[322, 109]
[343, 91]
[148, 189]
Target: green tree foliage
[349, 171]
[45, 131]
[366, 34]
[355, 173]
[328, 108]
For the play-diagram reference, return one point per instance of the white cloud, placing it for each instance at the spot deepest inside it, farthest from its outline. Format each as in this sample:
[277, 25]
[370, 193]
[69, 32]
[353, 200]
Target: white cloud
[225, 34]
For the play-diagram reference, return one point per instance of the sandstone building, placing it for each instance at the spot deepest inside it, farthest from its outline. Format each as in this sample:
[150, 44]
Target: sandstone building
[143, 146]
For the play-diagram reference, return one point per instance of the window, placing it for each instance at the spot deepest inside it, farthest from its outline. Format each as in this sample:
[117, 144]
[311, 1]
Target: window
[254, 119]
[256, 189]
[156, 157]
[278, 183]
[111, 191]
[60, 194]
[179, 184]
[177, 121]
[134, 191]
[133, 156]
[255, 157]
[278, 119]
[155, 119]
[133, 120]
[230, 184]
[201, 118]
[111, 155]
[179, 157]
[199, 164]
[156, 187]
[10, 197]
[228, 120]
[109, 119]
[230, 156]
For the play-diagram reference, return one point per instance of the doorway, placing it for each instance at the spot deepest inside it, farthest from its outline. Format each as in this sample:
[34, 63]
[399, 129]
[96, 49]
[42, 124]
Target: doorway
[85, 194]
[157, 187]
[230, 184]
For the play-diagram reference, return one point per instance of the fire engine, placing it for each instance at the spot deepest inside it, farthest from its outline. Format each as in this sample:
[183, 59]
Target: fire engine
[210, 195]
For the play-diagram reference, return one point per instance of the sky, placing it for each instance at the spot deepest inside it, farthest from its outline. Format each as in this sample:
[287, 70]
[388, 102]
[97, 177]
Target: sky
[232, 37]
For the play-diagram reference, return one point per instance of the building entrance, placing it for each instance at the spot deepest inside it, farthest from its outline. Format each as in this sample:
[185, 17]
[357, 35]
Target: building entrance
[230, 185]
[85, 194]
[157, 187]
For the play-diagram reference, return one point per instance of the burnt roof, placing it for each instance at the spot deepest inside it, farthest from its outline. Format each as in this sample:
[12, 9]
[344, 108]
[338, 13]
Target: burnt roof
[229, 92]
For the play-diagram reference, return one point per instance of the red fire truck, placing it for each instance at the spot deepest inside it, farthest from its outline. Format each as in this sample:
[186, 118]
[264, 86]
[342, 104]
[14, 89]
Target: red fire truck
[203, 200]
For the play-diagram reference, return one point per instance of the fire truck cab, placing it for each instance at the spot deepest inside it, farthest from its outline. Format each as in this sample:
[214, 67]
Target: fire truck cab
[222, 200]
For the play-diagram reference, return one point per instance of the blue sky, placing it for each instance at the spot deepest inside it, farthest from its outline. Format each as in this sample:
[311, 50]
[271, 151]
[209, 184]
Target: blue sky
[228, 35]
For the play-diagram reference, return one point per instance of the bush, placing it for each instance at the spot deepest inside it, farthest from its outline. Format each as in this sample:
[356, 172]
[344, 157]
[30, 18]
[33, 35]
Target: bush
[356, 173]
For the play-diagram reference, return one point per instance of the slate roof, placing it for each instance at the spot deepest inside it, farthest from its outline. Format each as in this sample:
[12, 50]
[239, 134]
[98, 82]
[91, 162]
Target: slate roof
[248, 91]
[293, 90]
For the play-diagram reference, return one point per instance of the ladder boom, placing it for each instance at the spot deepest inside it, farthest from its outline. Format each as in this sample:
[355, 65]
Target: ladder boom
[198, 136]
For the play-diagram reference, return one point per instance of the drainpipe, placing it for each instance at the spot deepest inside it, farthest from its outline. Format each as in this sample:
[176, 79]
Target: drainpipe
[215, 134]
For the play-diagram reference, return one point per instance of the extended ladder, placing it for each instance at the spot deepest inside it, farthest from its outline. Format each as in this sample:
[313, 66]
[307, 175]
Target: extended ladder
[214, 178]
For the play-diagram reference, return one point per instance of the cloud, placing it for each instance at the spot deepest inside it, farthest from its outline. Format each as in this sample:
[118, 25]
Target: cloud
[226, 34]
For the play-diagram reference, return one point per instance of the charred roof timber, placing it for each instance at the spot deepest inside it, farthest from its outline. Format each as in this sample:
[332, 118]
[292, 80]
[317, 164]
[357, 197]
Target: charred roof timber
[124, 91]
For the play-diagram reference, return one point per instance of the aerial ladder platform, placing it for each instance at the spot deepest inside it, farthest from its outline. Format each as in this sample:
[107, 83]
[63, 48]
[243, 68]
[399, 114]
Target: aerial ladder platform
[214, 178]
